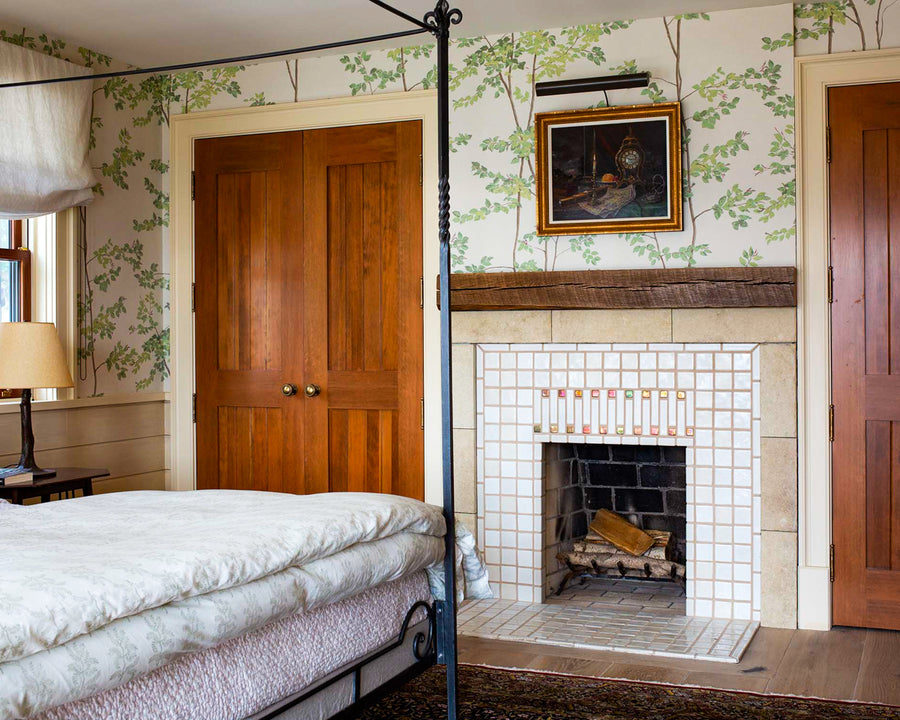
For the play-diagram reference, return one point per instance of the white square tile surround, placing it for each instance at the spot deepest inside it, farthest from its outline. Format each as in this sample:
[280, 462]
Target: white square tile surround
[705, 397]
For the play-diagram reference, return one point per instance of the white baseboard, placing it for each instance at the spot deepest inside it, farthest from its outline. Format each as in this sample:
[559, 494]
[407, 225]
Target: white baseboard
[813, 598]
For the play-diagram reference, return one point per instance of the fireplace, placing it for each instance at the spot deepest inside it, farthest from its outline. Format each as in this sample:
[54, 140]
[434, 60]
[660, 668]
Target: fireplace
[648, 401]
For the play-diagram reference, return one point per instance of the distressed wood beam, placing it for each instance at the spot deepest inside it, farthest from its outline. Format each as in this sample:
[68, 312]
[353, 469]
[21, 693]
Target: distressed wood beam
[624, 289]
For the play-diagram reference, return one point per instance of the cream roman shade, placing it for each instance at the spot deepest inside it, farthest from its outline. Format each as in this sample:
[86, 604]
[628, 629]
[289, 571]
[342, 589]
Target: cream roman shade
[44, 135]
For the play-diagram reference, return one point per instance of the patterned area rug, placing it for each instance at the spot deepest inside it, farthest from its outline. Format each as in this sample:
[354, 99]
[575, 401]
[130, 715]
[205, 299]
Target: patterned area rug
[492, 694]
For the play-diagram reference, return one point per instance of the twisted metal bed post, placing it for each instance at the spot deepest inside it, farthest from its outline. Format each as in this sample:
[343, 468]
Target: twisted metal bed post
[439, 21]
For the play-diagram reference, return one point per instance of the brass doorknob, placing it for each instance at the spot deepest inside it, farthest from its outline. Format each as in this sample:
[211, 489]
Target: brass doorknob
[288, 389]
[312, 390]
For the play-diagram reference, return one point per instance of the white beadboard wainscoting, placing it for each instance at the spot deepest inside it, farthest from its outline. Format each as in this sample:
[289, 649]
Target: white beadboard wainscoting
[129, 434]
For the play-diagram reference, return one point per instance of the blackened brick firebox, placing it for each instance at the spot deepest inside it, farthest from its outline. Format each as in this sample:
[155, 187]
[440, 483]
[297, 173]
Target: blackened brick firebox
[644, 483]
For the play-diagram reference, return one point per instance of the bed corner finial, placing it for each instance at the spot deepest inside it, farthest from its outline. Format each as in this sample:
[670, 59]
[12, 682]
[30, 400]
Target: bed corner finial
[442, 17]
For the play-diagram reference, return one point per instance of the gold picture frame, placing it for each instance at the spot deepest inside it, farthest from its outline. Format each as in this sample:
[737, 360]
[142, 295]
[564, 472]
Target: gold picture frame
[609, 170]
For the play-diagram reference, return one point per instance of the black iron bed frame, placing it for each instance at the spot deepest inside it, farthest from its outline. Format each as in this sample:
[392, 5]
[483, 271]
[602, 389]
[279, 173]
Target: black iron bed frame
[438, 644]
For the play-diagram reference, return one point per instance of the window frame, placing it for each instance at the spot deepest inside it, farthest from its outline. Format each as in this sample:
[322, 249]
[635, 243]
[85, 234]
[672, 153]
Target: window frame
[22, 255]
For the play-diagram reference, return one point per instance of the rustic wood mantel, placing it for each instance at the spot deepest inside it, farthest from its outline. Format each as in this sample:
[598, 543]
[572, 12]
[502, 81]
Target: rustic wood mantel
[732, 287]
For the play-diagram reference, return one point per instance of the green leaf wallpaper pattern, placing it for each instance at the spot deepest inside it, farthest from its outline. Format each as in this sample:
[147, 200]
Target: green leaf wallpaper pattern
[731, 70]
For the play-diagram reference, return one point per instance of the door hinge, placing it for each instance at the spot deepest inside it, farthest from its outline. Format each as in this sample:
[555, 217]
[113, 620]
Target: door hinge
[194, 408]
[193, 184]
[422, 413]
[831, 423]
[830, 283]
[422, 292]
[828, 144]
[193, 297]
[421, 170]
[831, 562]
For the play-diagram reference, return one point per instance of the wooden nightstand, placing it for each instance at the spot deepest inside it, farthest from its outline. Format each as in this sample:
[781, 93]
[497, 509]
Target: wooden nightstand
[67, 480]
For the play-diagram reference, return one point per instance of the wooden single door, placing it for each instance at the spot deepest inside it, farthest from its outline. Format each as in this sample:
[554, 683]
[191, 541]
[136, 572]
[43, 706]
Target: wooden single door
[865, 252]
[308, 266]
[363, 330]
[248, 248]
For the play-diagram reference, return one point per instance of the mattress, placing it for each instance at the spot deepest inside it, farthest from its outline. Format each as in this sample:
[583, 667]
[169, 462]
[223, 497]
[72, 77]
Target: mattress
[250, 673]
[110, 588]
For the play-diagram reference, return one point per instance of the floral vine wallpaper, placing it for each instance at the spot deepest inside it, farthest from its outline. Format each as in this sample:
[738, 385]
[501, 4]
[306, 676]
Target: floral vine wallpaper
[731, 70]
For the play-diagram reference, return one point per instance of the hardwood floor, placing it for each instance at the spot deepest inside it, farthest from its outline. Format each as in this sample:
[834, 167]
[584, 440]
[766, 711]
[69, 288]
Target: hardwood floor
[844, 664]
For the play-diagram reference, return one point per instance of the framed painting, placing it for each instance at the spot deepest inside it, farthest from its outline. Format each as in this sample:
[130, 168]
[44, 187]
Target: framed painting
[609, 170]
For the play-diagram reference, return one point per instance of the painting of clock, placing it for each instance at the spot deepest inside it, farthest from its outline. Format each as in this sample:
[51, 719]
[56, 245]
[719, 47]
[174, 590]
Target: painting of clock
[609, 170]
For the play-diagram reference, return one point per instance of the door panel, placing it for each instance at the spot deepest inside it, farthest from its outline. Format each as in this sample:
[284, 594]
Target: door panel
[364, 331]
[865, 247]
[247, 246]
[308, 265]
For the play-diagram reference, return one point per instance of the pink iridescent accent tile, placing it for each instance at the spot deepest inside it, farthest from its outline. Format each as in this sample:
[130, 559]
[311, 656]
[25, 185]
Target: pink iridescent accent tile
[611, 393]
[545, 393]
[673, 432]
[638, 430]
[586, 429]
[595, 393]
[561, 393]
[654, 430]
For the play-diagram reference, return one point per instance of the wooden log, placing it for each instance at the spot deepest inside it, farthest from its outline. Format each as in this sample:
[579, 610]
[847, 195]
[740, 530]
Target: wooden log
[664, 569]
[621, 533]
[661, 538]
[622, 289]
[589, 548]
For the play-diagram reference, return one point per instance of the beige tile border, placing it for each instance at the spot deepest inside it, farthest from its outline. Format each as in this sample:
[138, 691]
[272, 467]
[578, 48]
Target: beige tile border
[778, 367]
[611, 326]
[761, 325]
[517, 326]
[779, 581]
[779, 484]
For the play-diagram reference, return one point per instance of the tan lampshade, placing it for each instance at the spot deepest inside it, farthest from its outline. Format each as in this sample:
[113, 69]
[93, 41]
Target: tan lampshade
[31, 356]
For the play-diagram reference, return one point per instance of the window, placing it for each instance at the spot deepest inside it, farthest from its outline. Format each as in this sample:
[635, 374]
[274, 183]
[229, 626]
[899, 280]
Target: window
[15, 273]
[15, 278]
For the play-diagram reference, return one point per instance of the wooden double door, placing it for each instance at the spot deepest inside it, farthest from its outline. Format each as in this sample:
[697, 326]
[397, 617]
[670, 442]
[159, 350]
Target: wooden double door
[865, 254]
[308, 261]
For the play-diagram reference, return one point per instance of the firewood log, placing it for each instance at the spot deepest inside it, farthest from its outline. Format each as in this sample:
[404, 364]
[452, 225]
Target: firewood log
[624, 535]
[594, 547]
[617, 561]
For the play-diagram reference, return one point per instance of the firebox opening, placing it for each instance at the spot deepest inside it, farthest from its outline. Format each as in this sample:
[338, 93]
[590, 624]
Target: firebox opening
[645, 485]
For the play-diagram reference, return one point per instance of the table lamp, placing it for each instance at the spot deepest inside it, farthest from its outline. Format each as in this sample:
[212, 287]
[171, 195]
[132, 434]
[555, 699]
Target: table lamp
[31, 356]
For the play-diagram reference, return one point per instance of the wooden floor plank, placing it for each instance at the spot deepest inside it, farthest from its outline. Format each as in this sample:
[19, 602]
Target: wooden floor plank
[879, 673]
[648, 673]
[726, 681]
[820, 664]
[570, 666]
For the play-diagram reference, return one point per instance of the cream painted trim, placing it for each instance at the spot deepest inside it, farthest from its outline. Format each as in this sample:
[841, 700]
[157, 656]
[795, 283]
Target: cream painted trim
[387, 107]
[67, 228]
[813, 76]
[7, 407]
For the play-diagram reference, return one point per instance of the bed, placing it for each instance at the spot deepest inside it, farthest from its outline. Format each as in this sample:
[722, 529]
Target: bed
[215, 603]
[81, 651]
